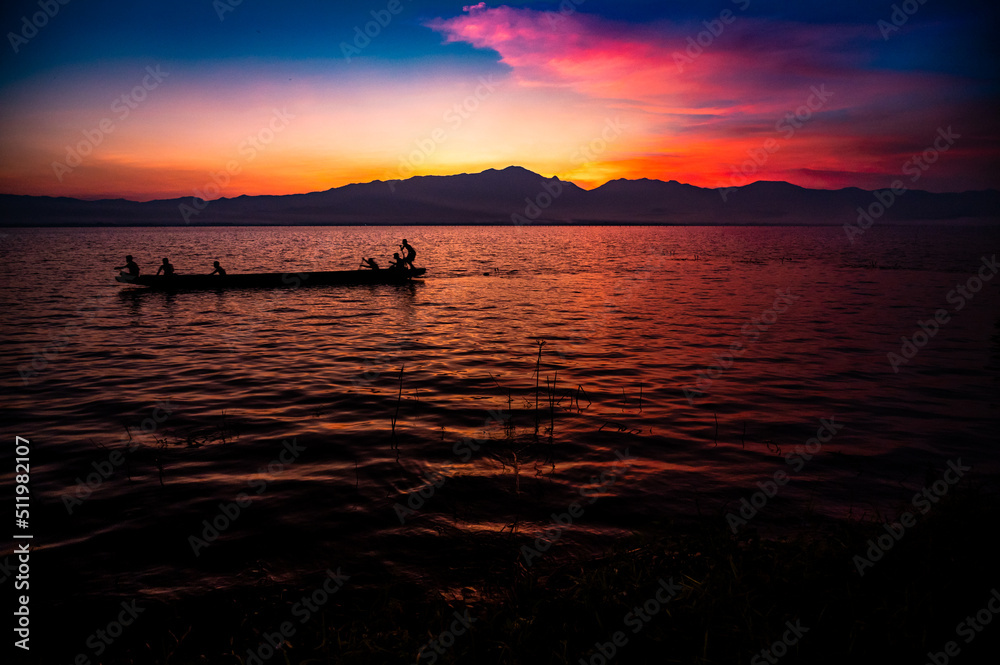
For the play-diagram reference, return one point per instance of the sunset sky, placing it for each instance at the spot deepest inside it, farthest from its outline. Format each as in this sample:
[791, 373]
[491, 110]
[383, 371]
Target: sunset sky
[148, 100]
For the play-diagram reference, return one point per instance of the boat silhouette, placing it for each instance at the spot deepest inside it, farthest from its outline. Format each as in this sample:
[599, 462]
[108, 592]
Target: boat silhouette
[271, 279]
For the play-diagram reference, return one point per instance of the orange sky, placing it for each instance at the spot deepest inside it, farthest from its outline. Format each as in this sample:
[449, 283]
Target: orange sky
[581, 98]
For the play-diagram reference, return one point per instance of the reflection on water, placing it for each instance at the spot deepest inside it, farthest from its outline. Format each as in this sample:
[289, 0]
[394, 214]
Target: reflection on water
[665, 343]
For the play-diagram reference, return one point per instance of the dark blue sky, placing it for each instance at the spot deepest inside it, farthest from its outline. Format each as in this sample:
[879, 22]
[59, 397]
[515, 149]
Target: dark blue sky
[365, 117]
[963, 33]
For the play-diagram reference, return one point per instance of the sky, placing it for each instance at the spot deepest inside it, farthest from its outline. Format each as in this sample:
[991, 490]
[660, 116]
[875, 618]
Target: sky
[221, 98]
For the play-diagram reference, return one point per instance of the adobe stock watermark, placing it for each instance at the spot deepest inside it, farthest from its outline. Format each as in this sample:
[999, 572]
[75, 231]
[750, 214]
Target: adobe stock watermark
[562, 521]
[636, 620]
[107, 467]
[463, 449]
[244, 332]
[466, 446]
[381, 18]
[552, 189]
[454, 117]
[248, 149]
[787, 125]
[223, 7]
[231, 511]
[304, 609]
[100, 640]
[7, 569]
[616, 301]
[429, 653]
[416, 498]
[923, 501]
[45, 355]
[31, 26]
[372, 369]
[926, 330]
[796, 459]
[122, 107]
[565, 9]
[713, 29]
[395, 354]
[901, 13]
[914, 167]
[781, 647]
[751, 333]
[589, 152]
[969, 628]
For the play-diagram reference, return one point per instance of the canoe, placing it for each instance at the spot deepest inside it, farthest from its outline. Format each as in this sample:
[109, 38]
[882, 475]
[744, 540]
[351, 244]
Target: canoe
[272, 279]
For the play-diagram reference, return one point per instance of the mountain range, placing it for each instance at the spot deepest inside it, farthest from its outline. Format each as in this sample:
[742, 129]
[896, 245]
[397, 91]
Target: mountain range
[515, 195]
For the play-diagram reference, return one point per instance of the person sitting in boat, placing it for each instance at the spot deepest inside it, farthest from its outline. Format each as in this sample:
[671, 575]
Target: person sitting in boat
[369, 263]
[219, 270]
[130, 265]
[398, 264]
[167, 268]
[409, 251]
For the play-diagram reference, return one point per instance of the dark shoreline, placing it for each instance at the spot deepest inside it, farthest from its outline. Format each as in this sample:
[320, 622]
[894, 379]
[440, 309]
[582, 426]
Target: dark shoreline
[736, 595]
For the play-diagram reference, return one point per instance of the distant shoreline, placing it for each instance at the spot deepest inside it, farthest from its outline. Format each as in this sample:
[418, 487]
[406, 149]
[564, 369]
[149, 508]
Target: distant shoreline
[962, 221]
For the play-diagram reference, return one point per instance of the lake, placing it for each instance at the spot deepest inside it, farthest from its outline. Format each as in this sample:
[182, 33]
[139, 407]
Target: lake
[191, 441]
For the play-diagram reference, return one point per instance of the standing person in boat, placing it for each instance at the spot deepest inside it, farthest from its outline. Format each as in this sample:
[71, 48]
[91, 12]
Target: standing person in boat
[369, 263]
[219, 270]
[167, 268]
[130, 265]
[410, 253]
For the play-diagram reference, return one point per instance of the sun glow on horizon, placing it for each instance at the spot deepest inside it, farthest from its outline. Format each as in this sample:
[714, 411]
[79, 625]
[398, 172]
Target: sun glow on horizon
[577, 96]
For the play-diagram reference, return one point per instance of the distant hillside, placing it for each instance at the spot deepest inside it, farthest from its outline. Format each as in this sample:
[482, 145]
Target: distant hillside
[510, 196]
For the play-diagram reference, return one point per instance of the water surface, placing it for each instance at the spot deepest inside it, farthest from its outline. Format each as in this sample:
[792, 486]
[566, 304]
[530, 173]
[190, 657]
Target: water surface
[629, 319]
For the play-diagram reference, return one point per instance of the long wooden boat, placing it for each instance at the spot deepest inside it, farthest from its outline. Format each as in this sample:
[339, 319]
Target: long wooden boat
[272, 279]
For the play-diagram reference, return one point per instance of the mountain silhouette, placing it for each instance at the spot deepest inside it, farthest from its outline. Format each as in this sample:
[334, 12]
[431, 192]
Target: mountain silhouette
[513, 195]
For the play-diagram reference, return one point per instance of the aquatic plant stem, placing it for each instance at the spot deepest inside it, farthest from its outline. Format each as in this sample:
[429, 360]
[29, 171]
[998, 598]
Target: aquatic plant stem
[399, 398]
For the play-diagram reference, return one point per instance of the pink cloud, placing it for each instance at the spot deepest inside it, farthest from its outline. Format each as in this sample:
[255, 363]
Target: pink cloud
[710, 103]
[750, 66]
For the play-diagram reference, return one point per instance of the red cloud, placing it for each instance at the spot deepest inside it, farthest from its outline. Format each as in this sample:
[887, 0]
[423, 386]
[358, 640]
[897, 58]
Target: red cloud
[711, 91]
[748, 65]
